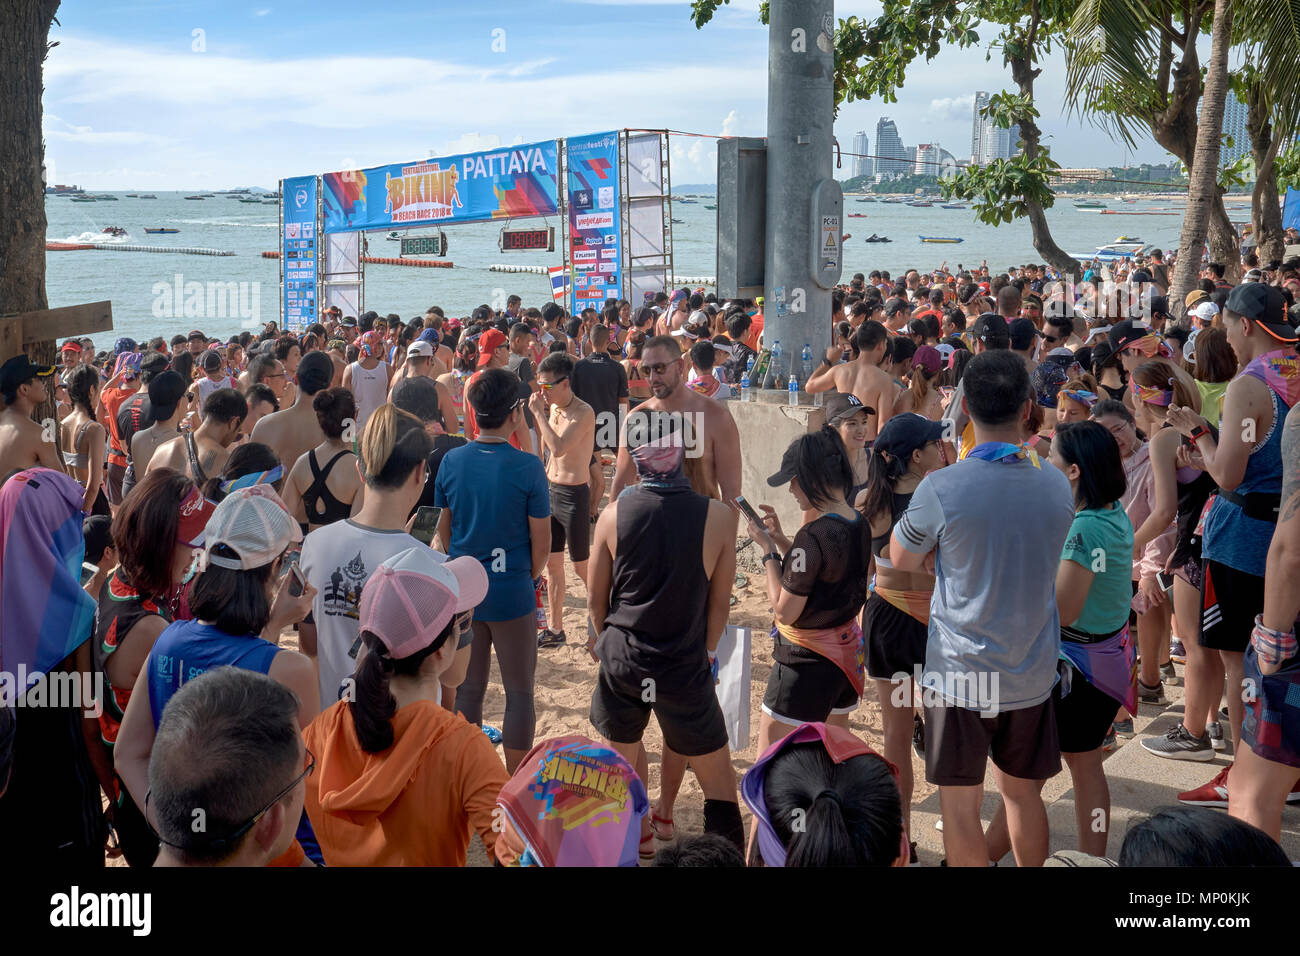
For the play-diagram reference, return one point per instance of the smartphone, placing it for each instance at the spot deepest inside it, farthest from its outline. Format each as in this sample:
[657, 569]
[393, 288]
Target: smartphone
[947, 390]
[297, 581]
[426, 524]
[749, 511]
[1165, 580]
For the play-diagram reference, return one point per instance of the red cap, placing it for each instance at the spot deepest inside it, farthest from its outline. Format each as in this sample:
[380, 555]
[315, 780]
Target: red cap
[71, 346]
[489, 342]
[195, 512]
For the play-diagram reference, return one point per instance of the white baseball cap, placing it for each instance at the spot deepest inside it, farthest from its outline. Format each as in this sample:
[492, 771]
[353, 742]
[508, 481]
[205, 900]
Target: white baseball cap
[254, 523]
[1205, 311]
[420, 350]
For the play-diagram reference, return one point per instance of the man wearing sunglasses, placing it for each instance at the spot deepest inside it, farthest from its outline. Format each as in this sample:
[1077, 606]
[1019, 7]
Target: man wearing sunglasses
[713, 444]
[228, 753]
[568, 428]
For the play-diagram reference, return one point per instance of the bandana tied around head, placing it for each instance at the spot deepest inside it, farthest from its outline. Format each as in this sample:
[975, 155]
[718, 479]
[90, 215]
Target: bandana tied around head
[1152, 395]
[1150, 345]
[659, 461]
[1080, 395]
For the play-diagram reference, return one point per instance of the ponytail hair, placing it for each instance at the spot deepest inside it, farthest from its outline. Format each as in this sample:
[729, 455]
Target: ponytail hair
[851, 813]
[393, 444]
[373, 705]
[883, 472]
[81, 384]
[920, 386]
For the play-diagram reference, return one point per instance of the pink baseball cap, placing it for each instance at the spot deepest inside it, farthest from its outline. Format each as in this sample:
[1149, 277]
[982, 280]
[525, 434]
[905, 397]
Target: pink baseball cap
[413, 596]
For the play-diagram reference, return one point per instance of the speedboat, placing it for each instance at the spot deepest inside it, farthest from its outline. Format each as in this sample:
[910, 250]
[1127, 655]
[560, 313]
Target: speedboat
[147, 196]
[952, 205]
[200, 198]
[920, 204]
[1089, 204]
[114, 231]
[875, 238]
[160, 229]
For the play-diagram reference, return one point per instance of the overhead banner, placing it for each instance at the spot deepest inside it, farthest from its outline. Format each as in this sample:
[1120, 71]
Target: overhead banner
[595, 250]
[511, 182]
[298, 252]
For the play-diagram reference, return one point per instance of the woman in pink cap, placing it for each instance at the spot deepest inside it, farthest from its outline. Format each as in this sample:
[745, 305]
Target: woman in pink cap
[402, 779]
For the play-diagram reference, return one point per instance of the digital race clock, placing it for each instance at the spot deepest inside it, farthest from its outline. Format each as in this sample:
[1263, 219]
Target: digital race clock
[527, 240]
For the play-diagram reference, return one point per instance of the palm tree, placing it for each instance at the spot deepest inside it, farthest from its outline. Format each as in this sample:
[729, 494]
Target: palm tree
[24, 42]
[1203, 179]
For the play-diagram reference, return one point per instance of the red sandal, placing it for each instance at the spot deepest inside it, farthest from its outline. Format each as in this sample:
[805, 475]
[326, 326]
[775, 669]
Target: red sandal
[658, 826]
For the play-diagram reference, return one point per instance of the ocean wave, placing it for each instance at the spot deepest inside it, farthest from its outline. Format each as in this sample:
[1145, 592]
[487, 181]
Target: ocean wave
[225, 222]
[96, 237]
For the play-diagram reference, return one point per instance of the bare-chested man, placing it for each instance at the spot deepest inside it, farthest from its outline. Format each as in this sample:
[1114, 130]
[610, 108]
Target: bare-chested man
[24, 443]
[169, 403]
[568, 428]
[861, 377]
[294, 431]
[202, 454]
[713, 441]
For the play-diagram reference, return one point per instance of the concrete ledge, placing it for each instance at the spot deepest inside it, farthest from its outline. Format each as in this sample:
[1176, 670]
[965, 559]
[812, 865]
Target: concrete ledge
[767, 427]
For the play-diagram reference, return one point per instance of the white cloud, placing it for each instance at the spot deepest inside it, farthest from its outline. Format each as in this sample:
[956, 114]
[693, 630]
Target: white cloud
[729, 124]
[263, 12]
[952, 107]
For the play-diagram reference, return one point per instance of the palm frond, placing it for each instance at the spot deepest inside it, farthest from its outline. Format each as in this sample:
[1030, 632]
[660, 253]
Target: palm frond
[1112, 47]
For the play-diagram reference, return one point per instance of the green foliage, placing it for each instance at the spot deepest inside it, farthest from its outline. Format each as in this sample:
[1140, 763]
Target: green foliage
[1002, 191]
[1288, 168]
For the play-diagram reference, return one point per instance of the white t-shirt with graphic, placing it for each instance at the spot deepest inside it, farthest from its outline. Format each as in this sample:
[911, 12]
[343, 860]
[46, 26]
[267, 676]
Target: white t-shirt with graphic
[338, 559]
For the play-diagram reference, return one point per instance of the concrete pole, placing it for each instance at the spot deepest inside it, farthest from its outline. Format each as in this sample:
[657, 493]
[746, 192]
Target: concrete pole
[801, 264]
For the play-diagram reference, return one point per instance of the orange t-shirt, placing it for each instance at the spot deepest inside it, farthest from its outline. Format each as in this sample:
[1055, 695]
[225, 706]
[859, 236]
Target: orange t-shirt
[755, 330]
[415, 803]
[113, 399]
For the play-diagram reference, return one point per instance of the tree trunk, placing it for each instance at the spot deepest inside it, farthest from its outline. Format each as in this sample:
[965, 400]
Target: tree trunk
[23, 46]
[1056, 257]
[1265, 213]
[1203, 180]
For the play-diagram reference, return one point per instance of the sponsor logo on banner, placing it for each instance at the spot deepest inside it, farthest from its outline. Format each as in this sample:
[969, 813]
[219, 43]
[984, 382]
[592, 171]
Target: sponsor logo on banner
[597, 280]
[291, 230]
[585, 266]
[309, 230]
[606, 195]
[596, 294]
[609, 267]
[423, 191]
[582, 199]
[593, 241]
[611, 239]
[609, 253]
[582, 282]
[597, 220]
[584, 255]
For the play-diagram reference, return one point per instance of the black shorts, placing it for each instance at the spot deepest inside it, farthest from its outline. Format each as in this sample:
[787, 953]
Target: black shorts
[895, 640]
[114, 474]
[571, 520]
[804, 687]
[959, 741]
[1230, 599]
[681, 696]
[1083, 716]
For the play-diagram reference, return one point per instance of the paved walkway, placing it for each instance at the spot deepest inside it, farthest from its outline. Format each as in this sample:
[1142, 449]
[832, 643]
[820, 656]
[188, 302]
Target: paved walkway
[1139, 783]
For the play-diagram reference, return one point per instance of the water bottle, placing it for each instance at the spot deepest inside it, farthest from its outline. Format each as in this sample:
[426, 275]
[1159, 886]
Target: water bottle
[542, 601]
[744, 386]
[807, 358]
[794, 390]
[775, 370]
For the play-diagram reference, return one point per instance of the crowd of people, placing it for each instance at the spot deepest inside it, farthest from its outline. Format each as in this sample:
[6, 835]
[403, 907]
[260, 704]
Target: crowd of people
[1031, 501]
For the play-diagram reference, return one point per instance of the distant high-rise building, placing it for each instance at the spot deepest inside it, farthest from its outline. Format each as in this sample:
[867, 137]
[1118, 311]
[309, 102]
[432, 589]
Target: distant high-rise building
[891, 155]
[862, 164]
[988, 141]
[1234, 125]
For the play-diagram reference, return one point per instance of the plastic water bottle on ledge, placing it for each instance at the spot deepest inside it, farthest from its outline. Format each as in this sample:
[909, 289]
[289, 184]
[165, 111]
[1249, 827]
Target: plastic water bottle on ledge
[775, 369]
[806, 360]
[793, 388]
[744, 385]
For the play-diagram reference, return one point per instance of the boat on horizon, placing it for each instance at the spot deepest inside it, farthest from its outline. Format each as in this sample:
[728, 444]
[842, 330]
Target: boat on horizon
[948, 239]
[875, 238]
[113, 231]
[83, 199]
[160, 230]
[196, 197]
[146, 196]
[132, 195]
[857, 215]
[1090, 204]
[921, 204]
[251, 200]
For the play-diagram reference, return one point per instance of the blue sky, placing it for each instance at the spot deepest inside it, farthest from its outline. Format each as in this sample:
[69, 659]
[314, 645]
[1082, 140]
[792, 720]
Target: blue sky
[192, 93]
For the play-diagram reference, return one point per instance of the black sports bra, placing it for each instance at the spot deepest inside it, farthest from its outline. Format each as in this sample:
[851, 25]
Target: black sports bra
[321, 505]
[897, 506]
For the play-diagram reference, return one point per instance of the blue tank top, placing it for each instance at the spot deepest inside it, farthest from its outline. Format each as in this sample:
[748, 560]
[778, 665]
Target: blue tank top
[1231, 536]
[186, 649]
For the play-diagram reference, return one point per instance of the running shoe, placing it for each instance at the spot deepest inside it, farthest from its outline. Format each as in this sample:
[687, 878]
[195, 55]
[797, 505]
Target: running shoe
[549, 638]
[1212, 794]
[1108, 744]
[1152, 695]
[918, 735]
[492, 733]
[1178, 744]
[1215, 732]
[1167, 671]
[1177, 653]
[1123, 728]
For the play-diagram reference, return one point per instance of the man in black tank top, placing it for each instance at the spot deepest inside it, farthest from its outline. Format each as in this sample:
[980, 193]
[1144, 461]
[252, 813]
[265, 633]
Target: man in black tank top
[659, 622]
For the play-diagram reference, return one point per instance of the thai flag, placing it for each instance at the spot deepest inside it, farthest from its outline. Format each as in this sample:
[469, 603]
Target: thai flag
[559, 283]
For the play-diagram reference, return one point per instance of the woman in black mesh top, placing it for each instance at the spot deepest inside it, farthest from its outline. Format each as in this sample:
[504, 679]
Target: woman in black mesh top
[817, 584]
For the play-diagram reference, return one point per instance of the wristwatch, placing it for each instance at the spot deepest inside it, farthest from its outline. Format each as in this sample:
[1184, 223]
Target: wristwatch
[771, 556]
[826, 361]
[1199, 432]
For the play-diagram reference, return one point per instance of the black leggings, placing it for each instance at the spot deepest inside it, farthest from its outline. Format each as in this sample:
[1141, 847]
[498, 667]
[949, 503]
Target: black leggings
[516, 646]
